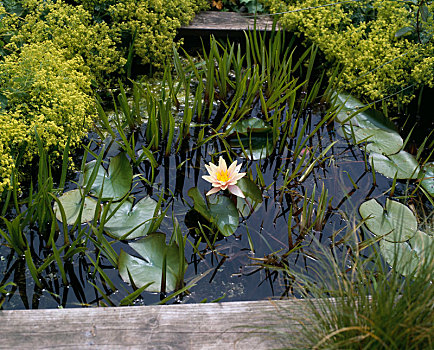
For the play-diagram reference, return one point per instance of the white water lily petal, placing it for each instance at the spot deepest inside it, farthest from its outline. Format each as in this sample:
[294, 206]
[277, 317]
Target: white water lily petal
[221, 177]
[234, 189]
[213, 190]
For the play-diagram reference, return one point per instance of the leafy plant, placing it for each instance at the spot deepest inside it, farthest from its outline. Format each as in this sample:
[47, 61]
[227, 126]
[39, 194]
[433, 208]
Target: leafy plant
[358, 302]
[158, 269]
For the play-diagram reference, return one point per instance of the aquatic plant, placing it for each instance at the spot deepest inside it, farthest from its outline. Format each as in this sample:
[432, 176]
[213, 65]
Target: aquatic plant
[222, 177]
[141, 173]
[360, 302]
[362, 124]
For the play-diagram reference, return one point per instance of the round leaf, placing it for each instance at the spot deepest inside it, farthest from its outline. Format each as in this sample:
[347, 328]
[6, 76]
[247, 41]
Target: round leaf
[400, 256]
[71, 202]
[250, 189]
[253, 195]
[401, 164]
[373, 213]
[396, 221]
[368, 118]
[116, 181]
[428, 178]
[199, 203]
[422, 244]
[379, 141]
[251, 125]
[224, 214]
[134, 221]
[152, 249]
[256, 145]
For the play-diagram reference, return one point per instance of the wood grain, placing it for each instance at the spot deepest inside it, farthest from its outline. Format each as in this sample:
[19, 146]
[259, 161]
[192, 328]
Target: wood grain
[228, 21]
[232, 325]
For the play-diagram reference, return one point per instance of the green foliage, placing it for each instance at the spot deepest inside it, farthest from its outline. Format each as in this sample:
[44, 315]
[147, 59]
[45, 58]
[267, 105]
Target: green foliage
[361, 303]
[44, 92]
[52, 51]
[368, 39]
[72, 29]
[244, 6]
[155, 23]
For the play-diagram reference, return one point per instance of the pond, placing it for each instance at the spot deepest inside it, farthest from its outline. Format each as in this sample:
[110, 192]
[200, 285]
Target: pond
[139, 205]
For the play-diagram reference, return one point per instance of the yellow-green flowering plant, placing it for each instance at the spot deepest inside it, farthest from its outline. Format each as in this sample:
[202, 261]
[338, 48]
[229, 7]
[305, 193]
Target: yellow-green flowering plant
[366, 37]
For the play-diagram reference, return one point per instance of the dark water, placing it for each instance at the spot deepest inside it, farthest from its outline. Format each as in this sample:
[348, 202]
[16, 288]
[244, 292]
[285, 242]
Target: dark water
[231, 270]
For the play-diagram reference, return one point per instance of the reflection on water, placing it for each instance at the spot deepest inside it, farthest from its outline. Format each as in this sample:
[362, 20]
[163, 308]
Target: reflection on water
[233, 269]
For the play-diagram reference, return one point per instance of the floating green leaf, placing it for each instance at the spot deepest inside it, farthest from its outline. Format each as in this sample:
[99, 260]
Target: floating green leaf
[253, 195]
[396, 221]
[224, 214]
[199, 203]
[117, 180]
[406, 257]
[256, 145]
[71, 202]
[379, 141]
[135, 220]
[153, 250]
[221, 211]
[400, 256]
[422, 244]
[427, 181]
[401, 164]
[368, 118]
[347, 102]
[254, 125]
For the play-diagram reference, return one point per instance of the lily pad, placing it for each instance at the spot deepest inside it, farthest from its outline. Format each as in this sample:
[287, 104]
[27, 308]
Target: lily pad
[135, 220]
[199, 203]
[379, 141]
[368, 118]
[254, 125]
[152, 249]
[71, 202]
[400, 255]
[253, 198]
[427, 181]
[396, 221]
[401, 164]
[347, 101]
[257, 145]
[224, 214]
[422, 244]
[117, 180]
[221, 211]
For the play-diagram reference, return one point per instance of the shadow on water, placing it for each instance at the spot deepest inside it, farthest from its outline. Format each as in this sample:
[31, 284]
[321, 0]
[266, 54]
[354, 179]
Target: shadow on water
[244, 266]
[248, 265]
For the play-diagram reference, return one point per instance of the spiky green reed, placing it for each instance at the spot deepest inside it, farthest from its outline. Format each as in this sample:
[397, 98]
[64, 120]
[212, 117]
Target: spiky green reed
[359, 302]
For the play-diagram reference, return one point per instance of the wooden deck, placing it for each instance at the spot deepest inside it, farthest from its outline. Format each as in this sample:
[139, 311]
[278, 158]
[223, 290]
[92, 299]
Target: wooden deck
[231, 325]
[228, 21]
[254, 325]
[222, 25]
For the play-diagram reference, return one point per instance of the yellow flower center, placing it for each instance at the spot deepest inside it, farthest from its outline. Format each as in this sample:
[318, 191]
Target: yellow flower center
[223, 176]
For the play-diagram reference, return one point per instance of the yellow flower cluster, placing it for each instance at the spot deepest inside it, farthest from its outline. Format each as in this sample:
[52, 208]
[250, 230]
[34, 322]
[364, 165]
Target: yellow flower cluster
[361, 37]
[156, 22]
[55, 50]
[71, 28]
[44, 91]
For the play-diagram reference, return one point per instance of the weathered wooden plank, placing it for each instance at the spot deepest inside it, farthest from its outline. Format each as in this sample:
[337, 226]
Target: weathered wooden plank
[232, 325]
[227, 21]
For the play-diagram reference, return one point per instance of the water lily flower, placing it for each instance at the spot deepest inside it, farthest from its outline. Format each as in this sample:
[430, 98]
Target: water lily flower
[222, 177]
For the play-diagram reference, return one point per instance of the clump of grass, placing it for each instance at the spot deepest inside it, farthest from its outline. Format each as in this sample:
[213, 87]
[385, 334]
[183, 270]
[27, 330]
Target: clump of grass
[362, 303]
